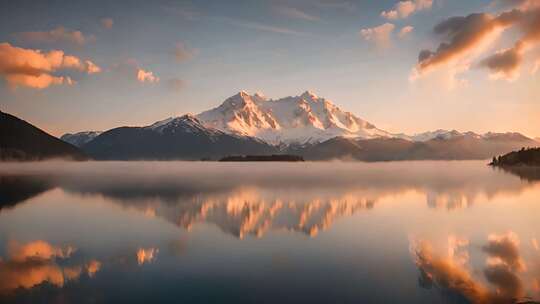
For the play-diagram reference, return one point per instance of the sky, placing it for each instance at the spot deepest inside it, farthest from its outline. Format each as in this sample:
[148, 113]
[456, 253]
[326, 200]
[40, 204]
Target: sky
[405, 66]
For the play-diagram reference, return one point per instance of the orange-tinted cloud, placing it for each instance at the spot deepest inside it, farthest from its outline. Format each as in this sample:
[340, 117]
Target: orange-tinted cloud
[381, 35]
[465, 36]
[505, 63]
[464, 33]
[404, 9]
[59, 34]
[34, 68]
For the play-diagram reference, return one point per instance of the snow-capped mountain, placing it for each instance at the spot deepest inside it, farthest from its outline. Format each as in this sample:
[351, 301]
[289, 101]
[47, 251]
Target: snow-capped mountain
[299, 119]
[80, 138]
[440, 134]
[305, 125]
[446, 134]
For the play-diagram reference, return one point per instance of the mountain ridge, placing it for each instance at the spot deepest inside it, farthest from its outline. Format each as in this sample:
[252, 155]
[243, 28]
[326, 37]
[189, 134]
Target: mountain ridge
[180, 138]
[293, 121]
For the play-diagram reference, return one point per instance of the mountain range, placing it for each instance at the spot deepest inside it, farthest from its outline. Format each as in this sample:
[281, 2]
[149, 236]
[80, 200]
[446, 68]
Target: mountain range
[182, 137]
[304, 125]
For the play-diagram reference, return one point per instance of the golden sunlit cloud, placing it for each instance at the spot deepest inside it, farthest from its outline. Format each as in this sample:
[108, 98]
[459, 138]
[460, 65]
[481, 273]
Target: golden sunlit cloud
[34, 68]
[146, 76]
[59, 34]
[404, 9]
[467, 37]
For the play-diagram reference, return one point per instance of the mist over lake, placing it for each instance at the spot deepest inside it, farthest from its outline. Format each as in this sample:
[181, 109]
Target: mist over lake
[334, 232]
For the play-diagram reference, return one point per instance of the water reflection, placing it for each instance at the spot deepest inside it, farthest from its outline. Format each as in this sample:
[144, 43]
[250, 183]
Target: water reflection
[319, 233]
[243, 201]
[508, 279]
[16, 189]
[30, 264]
[531, 174]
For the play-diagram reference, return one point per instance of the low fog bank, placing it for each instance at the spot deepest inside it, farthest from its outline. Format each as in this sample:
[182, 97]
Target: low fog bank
[211, 176]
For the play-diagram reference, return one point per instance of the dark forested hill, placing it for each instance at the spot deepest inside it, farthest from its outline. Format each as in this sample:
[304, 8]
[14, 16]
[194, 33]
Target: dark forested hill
[19, 140]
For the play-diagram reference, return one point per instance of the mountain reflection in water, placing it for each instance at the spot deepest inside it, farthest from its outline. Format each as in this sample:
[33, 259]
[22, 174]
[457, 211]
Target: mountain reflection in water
[71, 229]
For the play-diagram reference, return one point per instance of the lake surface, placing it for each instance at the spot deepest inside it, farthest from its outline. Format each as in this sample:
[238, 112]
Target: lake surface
[198, 232]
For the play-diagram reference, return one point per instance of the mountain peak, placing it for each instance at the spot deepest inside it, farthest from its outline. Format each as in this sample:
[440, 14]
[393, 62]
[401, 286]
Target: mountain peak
[189, 117]
[293, 119]
[309, 95]
[242, 94]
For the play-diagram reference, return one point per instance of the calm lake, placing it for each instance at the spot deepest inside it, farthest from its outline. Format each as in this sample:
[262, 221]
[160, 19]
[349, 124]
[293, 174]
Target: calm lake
[205, 232]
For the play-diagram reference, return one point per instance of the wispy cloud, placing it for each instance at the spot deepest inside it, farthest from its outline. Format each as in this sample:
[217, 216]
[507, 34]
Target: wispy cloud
[336, 4]
[266, 28]
[295, 13]
[59, 34]
[183, 53]
[184, 10]
[176, 84]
